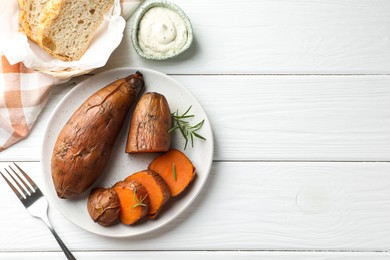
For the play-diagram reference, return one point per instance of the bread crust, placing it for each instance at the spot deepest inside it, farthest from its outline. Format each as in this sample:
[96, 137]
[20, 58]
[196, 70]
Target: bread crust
[23, 22]
[30, 14]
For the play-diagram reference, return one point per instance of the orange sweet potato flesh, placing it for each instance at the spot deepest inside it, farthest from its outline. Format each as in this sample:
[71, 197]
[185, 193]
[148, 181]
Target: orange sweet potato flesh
[133, 199]
[185, 171]
[156, 187]
[149, 125]
[84, 144]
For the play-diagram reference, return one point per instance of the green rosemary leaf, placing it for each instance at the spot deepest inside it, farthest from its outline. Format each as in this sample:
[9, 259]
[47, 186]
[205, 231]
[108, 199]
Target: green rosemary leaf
[182, 122]
[199, 136]
[185, 145]
[192, 139]
[173, 129]
[198, 125]
[182, 130]
[186, 116]
[188, 110]
[174, 171]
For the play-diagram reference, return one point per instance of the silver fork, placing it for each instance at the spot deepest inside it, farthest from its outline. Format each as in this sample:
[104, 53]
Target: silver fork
[33, 200]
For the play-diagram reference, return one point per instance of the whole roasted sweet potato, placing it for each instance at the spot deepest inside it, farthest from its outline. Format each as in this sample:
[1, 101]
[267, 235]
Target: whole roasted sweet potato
[84, 145]
[149, 125]
[103, 206]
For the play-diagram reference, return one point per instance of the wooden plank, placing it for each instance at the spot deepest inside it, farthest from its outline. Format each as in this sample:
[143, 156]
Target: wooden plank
[244, 206]
[324, 118]
[195, 255]
[278, 37]
[330, 118]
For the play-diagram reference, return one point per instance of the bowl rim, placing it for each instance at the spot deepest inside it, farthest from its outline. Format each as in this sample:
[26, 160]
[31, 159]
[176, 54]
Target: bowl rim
[140, 13]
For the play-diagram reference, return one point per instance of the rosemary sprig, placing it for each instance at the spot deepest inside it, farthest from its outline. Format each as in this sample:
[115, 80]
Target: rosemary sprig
[188, 132]
[174, 171]
[139, 202]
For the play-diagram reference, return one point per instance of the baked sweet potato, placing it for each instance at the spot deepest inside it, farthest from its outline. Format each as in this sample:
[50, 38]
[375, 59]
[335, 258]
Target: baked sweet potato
[149, 125]
[156, 187]
[176, 169]
[84, 145]
[103, 206]
[133, 199]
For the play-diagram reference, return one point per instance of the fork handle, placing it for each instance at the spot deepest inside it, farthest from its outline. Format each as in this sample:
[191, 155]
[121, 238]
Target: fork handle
[66, 251]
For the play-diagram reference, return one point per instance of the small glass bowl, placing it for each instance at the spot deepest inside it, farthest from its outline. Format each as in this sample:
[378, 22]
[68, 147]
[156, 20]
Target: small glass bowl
[137, 18]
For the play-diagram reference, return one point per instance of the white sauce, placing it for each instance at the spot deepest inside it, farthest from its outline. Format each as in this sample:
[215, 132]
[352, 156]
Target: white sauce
[162, 32]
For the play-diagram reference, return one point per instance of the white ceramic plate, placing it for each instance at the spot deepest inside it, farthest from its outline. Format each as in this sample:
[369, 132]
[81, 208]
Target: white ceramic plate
[121, 164]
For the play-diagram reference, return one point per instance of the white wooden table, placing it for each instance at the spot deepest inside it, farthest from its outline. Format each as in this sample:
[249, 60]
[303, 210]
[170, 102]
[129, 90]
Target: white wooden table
[298, 95]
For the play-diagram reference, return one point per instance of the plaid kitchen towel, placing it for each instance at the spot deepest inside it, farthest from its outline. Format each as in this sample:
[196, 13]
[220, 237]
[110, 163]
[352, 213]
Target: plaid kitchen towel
[24, 92]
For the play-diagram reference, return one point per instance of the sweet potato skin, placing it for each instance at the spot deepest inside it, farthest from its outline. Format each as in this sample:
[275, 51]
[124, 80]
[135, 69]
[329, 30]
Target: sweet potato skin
[156, 187]
[84, 145]
[149, 125]
[103, 206]
[131, 195]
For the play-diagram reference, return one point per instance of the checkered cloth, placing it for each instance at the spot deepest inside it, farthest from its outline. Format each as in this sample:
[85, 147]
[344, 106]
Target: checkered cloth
[24, 92]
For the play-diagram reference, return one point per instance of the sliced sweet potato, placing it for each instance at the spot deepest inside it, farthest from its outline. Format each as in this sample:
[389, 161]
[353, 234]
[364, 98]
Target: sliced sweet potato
[176, 170]
[156, 187]
[133, 200]
[149, 125]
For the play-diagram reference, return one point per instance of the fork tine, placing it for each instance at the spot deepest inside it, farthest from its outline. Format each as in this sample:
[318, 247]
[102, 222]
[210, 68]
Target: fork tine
[21, 181]
[32, 183]
[17, 193]
[16, 180]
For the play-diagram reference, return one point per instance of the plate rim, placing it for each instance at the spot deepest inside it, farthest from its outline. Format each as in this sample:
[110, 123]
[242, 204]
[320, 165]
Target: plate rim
[74, 89]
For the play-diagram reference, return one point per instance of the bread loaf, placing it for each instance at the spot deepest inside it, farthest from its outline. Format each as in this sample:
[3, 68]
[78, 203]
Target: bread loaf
[63, 28]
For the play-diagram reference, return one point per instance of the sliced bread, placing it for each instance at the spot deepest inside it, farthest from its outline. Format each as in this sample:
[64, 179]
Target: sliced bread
[30, 15]
[67, 26]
